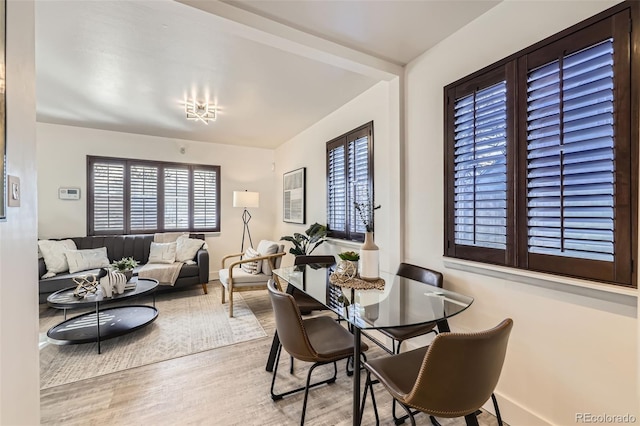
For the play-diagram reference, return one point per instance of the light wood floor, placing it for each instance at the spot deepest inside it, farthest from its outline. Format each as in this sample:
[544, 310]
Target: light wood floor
[223, 386]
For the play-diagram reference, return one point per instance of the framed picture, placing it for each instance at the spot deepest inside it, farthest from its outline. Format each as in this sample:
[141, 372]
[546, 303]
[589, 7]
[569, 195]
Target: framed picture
[3, 114]
[293, 196]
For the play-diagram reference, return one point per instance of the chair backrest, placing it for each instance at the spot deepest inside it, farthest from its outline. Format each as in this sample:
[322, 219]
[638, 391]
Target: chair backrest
[460, 371]
[314, 259]
[291, 333]
[421, 274]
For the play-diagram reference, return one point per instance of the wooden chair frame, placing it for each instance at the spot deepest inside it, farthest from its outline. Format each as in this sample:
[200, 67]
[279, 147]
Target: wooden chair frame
[257, 286]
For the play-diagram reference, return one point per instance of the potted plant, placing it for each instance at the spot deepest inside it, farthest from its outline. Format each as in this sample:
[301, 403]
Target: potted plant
[125, 265]
[349, 255]
[349, 263]
[305, 244]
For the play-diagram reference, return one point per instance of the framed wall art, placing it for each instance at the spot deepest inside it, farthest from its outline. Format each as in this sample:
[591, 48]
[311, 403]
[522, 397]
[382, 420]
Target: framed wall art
[294, 196]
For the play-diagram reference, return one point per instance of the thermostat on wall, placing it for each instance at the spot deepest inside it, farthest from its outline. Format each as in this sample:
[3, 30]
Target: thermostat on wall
[69, 193]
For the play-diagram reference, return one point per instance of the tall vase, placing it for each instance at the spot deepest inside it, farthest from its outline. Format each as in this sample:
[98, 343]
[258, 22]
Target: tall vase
[369, 259]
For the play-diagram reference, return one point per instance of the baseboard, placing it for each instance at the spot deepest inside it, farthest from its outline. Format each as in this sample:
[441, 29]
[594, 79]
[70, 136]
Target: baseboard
[514, 413]
[213, 275]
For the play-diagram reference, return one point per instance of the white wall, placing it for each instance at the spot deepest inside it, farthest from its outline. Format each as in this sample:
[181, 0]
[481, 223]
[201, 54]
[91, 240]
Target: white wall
[19, 368]
[568, 353]
[308, 149]
[62, 152]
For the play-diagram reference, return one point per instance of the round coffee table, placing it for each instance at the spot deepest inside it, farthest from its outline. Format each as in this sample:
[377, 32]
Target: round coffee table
[102, 323]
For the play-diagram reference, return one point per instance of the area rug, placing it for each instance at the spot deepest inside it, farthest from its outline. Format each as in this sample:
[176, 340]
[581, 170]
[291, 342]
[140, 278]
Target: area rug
[188, 322]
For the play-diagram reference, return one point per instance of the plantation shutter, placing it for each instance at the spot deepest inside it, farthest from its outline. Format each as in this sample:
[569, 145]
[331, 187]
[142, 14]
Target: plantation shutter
[570, 168]
[337, 189]
[108, 196]
[143, 212]
[359, 180]
[480, 168]
[176, 198]
[205, 199]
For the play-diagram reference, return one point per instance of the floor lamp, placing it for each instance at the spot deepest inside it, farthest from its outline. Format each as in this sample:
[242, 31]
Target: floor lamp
[246, 199]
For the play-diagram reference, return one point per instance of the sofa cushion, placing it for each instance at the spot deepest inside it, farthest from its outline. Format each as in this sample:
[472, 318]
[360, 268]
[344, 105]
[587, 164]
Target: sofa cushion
[186, 248]
[53, 254]
[119, 246]
[81, 260]
[162, 253]
[189, 271]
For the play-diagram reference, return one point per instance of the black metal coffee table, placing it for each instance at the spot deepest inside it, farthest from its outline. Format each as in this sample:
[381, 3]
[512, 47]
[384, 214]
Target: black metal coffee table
[103, 323]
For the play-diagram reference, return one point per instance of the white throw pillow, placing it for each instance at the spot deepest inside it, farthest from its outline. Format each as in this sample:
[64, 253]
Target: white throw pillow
[162, 253]
[187, 248]
[81, 260]
[265, 248]
[251, 267]
[53, 254]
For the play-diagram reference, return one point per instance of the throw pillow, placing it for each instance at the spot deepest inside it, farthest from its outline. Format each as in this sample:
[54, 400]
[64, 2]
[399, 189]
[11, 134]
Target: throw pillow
[162, 253]
[186, 248]
[81, 260]
[53, 254]
[251, 267]
[265, 248]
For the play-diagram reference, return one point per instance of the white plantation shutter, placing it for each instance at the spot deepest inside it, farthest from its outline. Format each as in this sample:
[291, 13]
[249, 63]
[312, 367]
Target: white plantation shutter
[571, 169]
[205, 199]
[480, 161]
[143, 211]
[176, 198]
[337, 189]
[108, 196]
[358, 180]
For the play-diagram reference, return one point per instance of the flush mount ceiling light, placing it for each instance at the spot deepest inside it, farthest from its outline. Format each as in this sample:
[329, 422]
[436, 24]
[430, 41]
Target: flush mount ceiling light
[200, 111]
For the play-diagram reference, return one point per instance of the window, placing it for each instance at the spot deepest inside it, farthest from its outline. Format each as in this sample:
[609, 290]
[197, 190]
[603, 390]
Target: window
[539, 159]
[136, 196]
[349, 179]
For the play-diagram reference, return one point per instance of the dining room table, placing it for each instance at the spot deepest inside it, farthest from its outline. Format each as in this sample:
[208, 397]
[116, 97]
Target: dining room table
[366, 305]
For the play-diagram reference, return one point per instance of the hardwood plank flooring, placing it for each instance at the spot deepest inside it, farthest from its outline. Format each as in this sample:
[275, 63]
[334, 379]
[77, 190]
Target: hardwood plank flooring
[223, 386]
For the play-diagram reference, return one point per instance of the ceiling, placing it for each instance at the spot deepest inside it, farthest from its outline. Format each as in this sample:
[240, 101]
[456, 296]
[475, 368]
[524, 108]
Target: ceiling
[273, 68]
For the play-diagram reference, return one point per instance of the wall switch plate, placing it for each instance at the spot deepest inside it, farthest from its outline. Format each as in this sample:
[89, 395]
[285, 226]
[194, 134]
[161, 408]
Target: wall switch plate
[13, 191]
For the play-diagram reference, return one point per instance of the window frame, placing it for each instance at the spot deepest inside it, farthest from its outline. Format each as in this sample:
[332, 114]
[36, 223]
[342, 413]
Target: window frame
[343, 140]
[615, 22]
[160, 196]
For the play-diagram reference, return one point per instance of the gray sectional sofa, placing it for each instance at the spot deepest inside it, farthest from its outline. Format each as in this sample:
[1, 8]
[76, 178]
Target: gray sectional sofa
[119, 246]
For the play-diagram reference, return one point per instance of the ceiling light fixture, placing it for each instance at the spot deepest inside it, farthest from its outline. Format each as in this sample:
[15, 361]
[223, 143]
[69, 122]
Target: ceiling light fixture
[203, 112]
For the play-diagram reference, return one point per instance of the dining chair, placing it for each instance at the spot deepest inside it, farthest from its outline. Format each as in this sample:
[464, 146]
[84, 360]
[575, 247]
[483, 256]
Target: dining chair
[319, 340]
[306, 303]
[453, 377]
[400, 334]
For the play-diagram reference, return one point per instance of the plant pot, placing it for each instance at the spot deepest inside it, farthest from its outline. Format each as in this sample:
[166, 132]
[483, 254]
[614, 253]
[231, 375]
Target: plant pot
[128, 274]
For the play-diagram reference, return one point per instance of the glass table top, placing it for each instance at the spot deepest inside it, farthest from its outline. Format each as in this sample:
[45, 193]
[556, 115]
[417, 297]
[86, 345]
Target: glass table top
[403, 301]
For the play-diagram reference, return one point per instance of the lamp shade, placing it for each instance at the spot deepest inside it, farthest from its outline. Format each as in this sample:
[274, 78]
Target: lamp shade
[246, 199]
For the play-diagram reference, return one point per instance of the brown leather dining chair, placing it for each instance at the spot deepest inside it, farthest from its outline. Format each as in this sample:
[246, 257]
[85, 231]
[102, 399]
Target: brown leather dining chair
[453, 377]
[319, 340]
